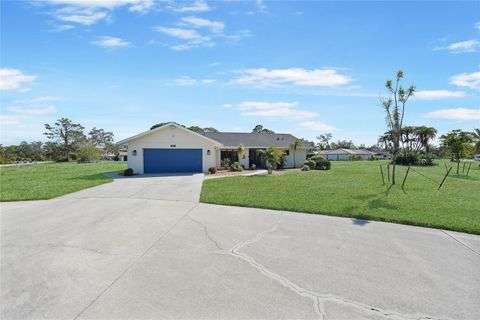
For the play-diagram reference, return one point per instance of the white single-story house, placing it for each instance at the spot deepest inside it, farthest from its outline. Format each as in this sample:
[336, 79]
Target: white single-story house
[346, 154]
[173, 148]
[383, 155]
[123, 156]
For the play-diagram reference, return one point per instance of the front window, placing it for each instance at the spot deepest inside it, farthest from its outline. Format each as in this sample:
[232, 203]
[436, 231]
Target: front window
[227, 157]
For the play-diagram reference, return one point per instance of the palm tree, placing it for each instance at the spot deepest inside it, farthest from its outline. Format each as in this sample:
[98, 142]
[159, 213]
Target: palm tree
[476, 138]
[385, 140]
[240, 151]
[297, 143]
[425, 134]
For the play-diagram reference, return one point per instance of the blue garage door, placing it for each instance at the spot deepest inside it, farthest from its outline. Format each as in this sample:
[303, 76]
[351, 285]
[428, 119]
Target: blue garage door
[172, 160]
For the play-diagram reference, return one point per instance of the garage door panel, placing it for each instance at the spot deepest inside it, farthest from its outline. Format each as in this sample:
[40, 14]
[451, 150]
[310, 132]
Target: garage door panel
[172, 160]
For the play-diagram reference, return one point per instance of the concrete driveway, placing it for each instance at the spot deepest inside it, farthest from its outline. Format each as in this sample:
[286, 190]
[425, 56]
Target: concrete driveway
[144, 248]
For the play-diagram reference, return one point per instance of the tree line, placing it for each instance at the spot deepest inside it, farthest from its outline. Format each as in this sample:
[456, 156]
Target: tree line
[67, 141]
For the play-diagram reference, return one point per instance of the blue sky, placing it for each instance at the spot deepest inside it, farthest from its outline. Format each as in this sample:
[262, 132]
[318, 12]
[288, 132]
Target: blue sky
[300, 67]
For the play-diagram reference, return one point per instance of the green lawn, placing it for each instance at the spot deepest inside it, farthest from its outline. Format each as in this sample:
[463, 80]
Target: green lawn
[46, 181]
[354, 189]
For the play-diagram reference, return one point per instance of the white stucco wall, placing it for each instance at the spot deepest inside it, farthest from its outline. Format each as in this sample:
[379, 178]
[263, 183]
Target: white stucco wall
[300, 157]
[164, 139]
[244, 158]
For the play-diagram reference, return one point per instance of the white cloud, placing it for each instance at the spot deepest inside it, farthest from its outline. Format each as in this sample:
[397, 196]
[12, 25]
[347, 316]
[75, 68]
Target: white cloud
[191, 36]
[200, 32]
[107, 4]
[248, 105]
[13, 79]
[438, 94]
[227, 105]
[468, 80]
[188, 81]
[185, 34]
[263, 109]
[62, 27]
[294, 76]
[214, 26]
[238, 36]
[185, 81]
[32, 111]
[316, 126]
[464, 46]
[81, 16]
[142, 6]
[9, 120]
[456, 114]
[88, 12]
[285, 113]
[477, 25]
[111, 42]
[197, 6]
[39, 100]
[262, 7]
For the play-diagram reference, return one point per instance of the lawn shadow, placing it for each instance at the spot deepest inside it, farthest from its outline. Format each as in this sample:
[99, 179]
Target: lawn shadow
[96, 176]
[374, 201]
[462, 177]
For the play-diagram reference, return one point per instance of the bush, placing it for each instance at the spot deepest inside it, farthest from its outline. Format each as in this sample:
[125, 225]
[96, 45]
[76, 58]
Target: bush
[253, 166]
[225, 163]
[414, 159]
[212, 170]
[128, 172]
[374, 158]
[305, 168]
[88, 152]
[356, 157]
[320, 162]
[427, 160]
[310, 163]
[407, 158]
[236, 167]
[281, 161]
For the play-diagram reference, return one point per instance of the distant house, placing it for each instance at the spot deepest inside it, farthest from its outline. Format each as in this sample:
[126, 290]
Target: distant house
[346, 154]
[383, 155]
[123, 156]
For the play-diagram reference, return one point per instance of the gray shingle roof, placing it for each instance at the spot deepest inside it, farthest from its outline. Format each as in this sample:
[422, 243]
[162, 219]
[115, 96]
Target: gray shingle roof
[258, 140]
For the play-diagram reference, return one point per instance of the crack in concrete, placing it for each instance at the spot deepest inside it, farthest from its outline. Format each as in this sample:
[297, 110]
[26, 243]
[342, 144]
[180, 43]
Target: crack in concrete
[318, 299]
[134, 263]
[461, 242]
[61, 245]
[207, 234]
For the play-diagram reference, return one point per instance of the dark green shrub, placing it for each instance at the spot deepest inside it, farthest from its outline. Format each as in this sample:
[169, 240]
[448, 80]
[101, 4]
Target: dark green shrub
[310, 163]
[427, 160]
[253, 166]
[317, 156]
[236, 167]
[322, 164]
[282, 160]
[374, 158]
[356, 157]
[212, 170]
[225, 163]
[407, 158]
[128, 172]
